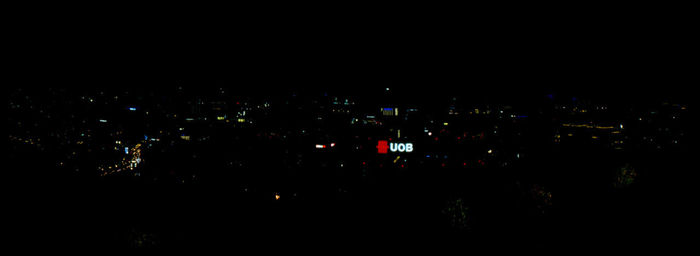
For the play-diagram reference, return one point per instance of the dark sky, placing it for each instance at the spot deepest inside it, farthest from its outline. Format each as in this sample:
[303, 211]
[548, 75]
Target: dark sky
[597, 54]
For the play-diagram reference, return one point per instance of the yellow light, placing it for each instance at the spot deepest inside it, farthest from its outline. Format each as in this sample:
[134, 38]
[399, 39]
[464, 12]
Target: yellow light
[445, 124]
[241, 120]
[220, 118]
[277, 196]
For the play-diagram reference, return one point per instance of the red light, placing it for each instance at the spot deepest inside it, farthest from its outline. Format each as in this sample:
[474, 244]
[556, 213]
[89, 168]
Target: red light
[382, 146]
[436, 138]
[443, 164]
[402, 166]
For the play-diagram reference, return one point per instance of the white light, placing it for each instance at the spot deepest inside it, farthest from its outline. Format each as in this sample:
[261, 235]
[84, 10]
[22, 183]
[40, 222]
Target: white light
[332, 144]
[430, 133]
[132, 109]
[401, 147]
[320, 146]
[490, 151]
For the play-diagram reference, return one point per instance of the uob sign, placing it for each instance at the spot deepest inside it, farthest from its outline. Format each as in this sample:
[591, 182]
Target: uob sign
[383, 147]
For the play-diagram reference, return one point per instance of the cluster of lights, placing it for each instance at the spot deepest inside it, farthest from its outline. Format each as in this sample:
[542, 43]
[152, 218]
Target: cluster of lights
[130, 162]
[321, 146]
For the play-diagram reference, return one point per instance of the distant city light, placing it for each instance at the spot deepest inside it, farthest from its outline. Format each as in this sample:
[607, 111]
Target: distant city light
[103, 121]
[126, 150]
[490, 151]
[132, 109]
[320, 146]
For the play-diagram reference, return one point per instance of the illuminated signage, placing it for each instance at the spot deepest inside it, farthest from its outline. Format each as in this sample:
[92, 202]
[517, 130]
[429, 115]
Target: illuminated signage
[401, 147]
[384, 147]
